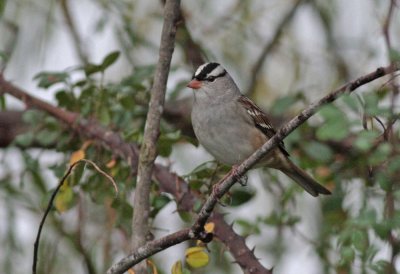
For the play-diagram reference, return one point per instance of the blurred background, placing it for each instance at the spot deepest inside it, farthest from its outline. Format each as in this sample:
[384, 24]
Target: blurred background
[283, 54]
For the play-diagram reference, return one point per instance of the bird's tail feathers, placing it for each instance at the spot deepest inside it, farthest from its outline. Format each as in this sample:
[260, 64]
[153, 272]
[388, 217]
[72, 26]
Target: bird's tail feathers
[305, 180]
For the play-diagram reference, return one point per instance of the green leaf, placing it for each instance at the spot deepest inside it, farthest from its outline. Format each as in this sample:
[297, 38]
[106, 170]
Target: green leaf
[47, 137]
[381, 267]
[127, 102]
[32, 116]
[335, 126]
[384, 181]
[2, 102]
[47, 79]
[239, 197]
[160, 201]
[105, 116]
[281, 218]
[124, 214]
[65, 99]
[197, 205]
[2, 7]
[318, 151]
[372, 107]
[280, 106]
[195, 184]
[166, 141]
[333, 130]
[365, 140]
[330, 112]
[382, 229]
[347, 255]
[204, 170]
[360, 240]
[394, 164]
[351, 102]
[394, 55]
[25, 139]
[109, 60]
[185, 216]
[91, 68]
[380, 155]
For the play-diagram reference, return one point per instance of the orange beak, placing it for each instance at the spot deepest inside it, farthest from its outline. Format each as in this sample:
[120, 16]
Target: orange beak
[194, 84]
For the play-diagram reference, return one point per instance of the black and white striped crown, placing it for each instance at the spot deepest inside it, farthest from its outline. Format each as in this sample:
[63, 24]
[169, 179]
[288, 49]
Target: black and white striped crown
[209, 72]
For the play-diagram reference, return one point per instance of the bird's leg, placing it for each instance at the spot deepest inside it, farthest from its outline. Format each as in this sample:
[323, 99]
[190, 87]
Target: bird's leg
[242, 179]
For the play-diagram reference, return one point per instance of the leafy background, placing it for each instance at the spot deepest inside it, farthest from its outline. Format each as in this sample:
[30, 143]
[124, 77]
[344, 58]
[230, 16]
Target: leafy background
[100, 63]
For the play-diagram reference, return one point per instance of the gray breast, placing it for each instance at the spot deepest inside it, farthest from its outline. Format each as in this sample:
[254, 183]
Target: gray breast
[221, 133]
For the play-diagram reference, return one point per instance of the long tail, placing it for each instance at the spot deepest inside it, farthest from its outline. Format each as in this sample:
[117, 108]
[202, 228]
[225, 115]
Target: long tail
[305, 180]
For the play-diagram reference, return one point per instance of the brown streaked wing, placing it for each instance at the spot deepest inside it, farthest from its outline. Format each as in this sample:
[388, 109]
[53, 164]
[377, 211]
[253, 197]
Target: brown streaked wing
[261, 120]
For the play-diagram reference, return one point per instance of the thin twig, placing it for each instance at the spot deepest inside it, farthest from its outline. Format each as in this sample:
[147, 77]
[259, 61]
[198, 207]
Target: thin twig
[50, 204]
[74, 32]
[256, 70]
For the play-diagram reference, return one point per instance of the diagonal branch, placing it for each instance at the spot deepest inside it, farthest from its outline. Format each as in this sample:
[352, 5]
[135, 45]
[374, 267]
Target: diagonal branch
[69, 20]
[148, 150]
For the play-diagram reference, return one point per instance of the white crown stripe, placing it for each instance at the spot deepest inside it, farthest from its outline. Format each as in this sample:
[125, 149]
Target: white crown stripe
[198, 71]
[216, 72]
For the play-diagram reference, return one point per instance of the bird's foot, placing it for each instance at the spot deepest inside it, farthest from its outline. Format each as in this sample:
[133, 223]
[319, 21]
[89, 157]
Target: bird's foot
[241, 179]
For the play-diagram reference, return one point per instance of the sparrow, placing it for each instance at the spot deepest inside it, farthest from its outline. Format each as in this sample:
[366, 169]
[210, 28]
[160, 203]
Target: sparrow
[231, 127]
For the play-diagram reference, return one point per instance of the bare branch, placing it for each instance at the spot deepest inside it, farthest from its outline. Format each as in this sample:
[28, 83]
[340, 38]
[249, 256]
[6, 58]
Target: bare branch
[74, 32]
[150, 248]
[148, 151]
[10, 126]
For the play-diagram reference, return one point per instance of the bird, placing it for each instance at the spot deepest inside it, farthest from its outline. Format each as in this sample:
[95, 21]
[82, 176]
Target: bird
[231, 127]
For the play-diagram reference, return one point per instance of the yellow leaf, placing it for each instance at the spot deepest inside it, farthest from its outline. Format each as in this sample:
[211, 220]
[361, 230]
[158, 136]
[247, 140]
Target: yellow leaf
[64, 199]
[76, 156]
[209, 227]
[111, 163]
[177, 268]
[196, 257]
[86, 144]
[153, 266]
[130, 271]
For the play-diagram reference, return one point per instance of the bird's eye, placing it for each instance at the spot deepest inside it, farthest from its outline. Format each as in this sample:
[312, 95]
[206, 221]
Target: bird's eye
[211, 79]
